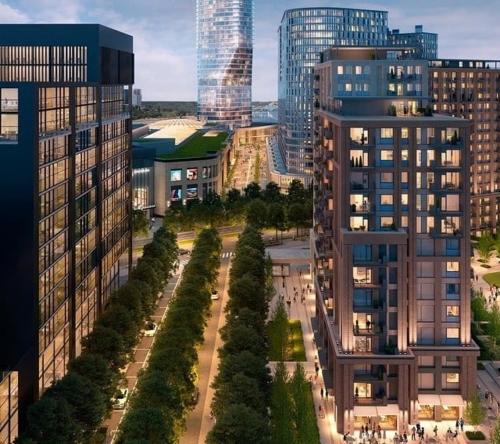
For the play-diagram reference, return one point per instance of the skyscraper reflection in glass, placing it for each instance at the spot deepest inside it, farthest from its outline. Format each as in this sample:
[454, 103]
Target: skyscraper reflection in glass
[224, 45]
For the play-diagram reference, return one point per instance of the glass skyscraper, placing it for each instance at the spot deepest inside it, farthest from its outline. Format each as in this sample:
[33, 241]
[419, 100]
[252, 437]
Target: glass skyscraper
[304, 33]
[426, 42]
[224, 45]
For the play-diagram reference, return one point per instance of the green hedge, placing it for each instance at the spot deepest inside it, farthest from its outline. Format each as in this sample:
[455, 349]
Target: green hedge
[242, 383]
[165, 390]
[71, 410]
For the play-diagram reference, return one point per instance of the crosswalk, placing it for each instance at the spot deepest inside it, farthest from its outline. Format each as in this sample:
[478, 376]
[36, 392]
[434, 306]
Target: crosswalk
[226, 254]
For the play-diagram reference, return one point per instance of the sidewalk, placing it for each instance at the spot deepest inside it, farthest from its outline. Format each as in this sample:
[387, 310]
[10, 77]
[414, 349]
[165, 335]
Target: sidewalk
[305, 312]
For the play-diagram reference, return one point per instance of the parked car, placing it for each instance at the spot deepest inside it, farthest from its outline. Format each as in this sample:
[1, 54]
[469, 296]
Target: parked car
[195, 397]
[150, 329]
[214, 296]
[120, 398]
[183, 252]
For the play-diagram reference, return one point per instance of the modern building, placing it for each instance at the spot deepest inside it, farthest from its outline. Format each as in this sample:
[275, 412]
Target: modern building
[470, 89]
[65, 139]
[9, 413]
[426, 42]
[225, 51]
[391, 242]
[303, 34]
[166, 174]
[136, 97]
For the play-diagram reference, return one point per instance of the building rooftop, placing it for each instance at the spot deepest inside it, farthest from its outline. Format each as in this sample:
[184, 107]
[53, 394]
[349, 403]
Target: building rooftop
[178, 129]
[410, 119]
[199, 145]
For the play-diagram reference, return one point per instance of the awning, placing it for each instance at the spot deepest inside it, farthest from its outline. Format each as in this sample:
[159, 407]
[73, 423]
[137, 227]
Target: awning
[452, 400]
[386, 410]
[429, 400]
[360, 410]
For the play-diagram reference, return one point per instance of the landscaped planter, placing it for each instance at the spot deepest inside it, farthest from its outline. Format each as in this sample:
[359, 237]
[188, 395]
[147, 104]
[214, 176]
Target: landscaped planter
[469, 437]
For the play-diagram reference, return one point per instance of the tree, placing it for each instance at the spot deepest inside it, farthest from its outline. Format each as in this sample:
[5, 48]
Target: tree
[148, 424]
[50, 421]
[108, 343]
[252, 191]
[87, 401]
[276, 217]
[296, 192]
[494, 325]
[119, 318]
[278, 333]
[272, 193]
[484, 245]
[246, 292]
[95, 368]
[140, 223]
[282, 427]
[239, 424]
[495, 433]
[474, 412]
[297, 216]
[304, 416]
[257, 214]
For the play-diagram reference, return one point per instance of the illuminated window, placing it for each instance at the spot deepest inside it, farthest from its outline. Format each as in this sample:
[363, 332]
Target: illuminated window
[9, 125]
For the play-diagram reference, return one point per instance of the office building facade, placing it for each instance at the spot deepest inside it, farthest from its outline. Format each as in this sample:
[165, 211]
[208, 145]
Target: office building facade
[303, 35]
[470, 89]
[391, 242]
[426, 42]
[225, 53]
[65, 144]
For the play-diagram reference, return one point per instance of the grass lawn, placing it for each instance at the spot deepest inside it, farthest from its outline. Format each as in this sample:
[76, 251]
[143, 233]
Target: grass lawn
[197, 146]
[493, 278]
[295, 350]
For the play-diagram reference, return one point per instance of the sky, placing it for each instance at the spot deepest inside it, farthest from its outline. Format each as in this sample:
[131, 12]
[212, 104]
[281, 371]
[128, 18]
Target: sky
[165, 39]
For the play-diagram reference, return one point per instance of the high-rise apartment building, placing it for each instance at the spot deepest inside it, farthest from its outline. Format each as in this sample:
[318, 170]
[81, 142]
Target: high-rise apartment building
[426, 42]
[391, 242]
[137, 97]
[470, 89]
[225, 54]
[65, 144]
[303, 35]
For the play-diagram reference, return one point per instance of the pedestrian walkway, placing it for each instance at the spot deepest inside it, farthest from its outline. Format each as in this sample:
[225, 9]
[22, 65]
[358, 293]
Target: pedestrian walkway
[300, 303]
[140, 357]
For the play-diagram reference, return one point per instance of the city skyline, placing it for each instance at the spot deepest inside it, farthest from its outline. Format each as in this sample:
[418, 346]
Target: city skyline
[165, 43]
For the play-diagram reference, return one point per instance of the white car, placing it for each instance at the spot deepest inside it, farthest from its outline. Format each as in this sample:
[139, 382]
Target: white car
[150, 329]
[120, 399]
[214, 296]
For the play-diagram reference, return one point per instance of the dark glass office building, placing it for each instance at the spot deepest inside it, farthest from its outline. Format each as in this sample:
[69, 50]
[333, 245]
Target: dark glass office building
[65, 144]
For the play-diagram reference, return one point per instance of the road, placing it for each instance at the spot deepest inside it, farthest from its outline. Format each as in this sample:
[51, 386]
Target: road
[141, 356]
[198, 422]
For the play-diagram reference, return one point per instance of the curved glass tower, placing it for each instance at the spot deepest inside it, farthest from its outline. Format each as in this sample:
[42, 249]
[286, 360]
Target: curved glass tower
[224, 44]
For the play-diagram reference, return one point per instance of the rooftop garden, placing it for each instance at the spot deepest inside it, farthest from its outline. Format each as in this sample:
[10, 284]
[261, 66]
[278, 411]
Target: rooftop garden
[198, 145]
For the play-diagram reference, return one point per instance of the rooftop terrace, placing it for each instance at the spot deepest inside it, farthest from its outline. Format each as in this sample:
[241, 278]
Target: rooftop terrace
[199, 145]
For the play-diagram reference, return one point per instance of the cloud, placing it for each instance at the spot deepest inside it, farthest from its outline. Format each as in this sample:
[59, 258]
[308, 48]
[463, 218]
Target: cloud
[9, 14]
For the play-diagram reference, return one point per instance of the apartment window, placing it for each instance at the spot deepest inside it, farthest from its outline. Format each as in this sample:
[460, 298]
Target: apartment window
[404, 156]
[386, 134]
[425, 313]
[9, 117]
[452, 312]
[348, 87]
[453, 335]
[452, 267]
[362, 390]
[450, 381]
[386, 222]
[404, 221]
[386, 179]
[359, 70]
[452, 291]
[340, 70]
[450, 361]
[359, 135]
[426, 381]
[386, 199]
[387, 155]
[425, 269]
[404, 179]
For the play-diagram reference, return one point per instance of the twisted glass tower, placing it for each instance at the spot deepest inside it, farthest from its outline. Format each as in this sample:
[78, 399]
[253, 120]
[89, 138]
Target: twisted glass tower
[224, 45]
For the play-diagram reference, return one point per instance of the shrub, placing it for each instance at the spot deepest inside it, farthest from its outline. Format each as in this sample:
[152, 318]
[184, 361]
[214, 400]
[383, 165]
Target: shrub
[475, 436]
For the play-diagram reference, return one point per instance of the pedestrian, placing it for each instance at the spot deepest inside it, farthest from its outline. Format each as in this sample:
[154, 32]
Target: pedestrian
[462, 424]
[316, 369]
[321, 392]
[326, 394]
[413, 436]
[435, 431]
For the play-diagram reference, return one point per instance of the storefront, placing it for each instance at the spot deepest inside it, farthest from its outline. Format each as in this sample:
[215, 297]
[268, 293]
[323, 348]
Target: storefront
[384, 416]
[440, 407]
